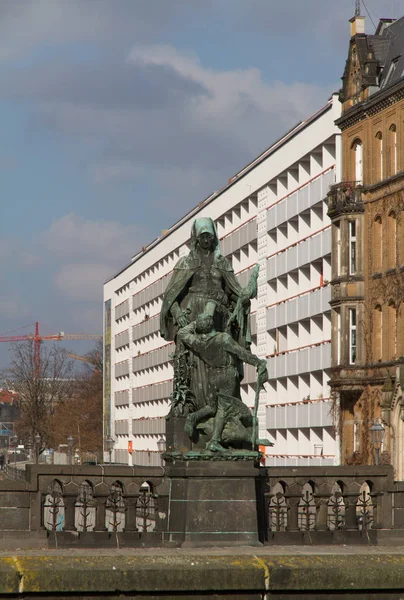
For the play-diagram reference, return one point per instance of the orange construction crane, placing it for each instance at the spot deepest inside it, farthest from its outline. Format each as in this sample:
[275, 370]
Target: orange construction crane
[85, 359]
[37, 339]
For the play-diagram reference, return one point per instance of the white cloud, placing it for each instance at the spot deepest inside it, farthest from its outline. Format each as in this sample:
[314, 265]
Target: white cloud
[12, 307]
[121, 170]
[163, 110]
[82, 281]
[14, 254]
[87, 252]
[25, 24]
[88, 318]
[106, 242]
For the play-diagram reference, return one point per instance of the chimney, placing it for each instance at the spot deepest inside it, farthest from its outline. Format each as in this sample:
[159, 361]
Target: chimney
[357, 25]
[383, 24]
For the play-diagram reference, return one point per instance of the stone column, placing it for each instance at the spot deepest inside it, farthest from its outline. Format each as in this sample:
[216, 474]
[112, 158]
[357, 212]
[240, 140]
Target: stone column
[130, 521]
[293, 502]
[70, 505]
[377, 512]
[350, 511]
[37, 511]
[100, 514]
[321, 516]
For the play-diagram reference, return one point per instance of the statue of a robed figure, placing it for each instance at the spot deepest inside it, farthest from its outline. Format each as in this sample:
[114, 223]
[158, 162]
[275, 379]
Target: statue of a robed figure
[206, 312]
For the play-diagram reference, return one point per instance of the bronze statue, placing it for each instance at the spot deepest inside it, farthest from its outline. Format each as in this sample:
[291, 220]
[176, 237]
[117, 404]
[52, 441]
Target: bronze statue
[204, 282]
[206, 312]
[219, 352]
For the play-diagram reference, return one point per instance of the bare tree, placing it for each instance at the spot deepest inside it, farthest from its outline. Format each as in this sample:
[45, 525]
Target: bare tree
[81, 415]
[95, 358]
[40, 387]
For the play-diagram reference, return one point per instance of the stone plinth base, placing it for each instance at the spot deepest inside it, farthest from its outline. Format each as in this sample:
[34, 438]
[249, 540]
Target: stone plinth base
[214, 503]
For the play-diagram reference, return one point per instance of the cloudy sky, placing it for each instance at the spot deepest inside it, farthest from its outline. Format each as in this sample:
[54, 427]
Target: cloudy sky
[117, 116]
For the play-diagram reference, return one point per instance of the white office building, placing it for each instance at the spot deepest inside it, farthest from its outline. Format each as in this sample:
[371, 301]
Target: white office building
[274, 212]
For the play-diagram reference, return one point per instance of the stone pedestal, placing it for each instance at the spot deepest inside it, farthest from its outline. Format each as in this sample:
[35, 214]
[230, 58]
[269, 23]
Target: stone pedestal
[175, 435]
[214, 503]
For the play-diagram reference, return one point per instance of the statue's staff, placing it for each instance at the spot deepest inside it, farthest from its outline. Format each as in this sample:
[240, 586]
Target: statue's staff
[261, 379]
[238, 315]
[250, 291]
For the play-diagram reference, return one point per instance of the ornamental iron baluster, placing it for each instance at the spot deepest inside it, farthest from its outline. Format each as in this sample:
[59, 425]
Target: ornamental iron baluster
[307, 510]
[364, 511]
[278, 511]
[116, 507]
[146, 508]
[54, 502]
[336, 511]
[86, 507]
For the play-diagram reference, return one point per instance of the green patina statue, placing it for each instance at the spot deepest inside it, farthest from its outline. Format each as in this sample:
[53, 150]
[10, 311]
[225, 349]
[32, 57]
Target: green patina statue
[206, 312]
[232, 420]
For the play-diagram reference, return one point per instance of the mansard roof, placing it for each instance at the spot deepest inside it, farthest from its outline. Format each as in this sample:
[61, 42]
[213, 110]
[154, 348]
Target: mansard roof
[375, 62]
[393, 68]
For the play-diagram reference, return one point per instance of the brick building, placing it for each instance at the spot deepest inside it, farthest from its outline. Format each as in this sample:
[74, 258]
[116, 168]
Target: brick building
[366, 211]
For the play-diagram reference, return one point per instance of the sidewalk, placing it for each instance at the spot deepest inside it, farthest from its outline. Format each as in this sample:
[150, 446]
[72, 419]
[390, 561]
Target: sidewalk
[226, 573]
[269, 551]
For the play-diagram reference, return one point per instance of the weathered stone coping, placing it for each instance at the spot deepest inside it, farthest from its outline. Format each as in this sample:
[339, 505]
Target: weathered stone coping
[265, 573]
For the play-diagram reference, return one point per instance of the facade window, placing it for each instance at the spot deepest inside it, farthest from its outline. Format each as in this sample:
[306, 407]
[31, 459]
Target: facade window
[392, 330]
[377, 244]
[393, 149]
[338, 314]
[352, 247]
[338, 249]
[400, 325]
[390, 72]
[356, 436]
[400, 238]
[377, 333]
[352, 336]
[358, 148]
[392, 240]
[379, 156]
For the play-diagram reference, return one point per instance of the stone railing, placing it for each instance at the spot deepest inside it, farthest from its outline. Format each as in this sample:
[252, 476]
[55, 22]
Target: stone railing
[18, 474]
[111, 505]
[319, 503]
[345, 197]
[87, 505]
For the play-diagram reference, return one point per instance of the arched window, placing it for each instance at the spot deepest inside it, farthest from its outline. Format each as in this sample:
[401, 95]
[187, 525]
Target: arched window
[379, 156]
[377, 245]
[392, 240]
[358, 150]
[393, 149]
[377, 333]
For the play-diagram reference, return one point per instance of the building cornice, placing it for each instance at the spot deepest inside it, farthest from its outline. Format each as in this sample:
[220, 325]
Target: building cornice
[372, 106]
